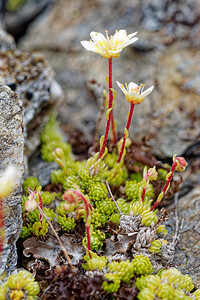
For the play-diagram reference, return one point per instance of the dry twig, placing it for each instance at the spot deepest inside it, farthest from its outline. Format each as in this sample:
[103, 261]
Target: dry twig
[56, 235]
[109, 190]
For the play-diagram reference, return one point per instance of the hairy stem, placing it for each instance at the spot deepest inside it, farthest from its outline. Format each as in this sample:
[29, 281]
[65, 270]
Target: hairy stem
[127, 127]
[111, 100]
[164, 191]
[111, 113]
[88, 208]
[145, 188]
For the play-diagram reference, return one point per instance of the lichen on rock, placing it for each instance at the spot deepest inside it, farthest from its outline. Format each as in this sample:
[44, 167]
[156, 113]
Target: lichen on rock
[12, 146]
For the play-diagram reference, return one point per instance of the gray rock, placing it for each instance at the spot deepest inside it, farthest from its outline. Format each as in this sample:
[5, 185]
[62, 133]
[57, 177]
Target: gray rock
[17, 22]
[32, 78]
[11, 146]
[166, 56]
[6, 41]
[187, 254]
[41, 169]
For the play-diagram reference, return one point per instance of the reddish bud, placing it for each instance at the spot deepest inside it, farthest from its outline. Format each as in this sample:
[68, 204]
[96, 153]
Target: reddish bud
[58, 153]
[181, 163]
[70, 197]
[30, 205]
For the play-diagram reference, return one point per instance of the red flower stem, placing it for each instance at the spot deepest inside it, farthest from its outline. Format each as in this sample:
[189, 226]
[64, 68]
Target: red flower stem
[166, 184]
[113, 130]
[2, 227]
[127, 127]
[88, 239]
[144, 189]
[111, 100]
[111, 113]
[87, 208]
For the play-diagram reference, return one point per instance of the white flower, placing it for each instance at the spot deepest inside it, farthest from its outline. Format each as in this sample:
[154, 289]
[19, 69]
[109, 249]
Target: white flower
[7, 181]
[109, 46]
[134, 93]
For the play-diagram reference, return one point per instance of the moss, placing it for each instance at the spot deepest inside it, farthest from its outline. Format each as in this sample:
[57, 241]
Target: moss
[142, 265]
[31, 183]
[52, 138]
[20, 286]
[132, 190]
[94, 262]
[96, 241]
[13, 5]
[169, 284]
[111, 283]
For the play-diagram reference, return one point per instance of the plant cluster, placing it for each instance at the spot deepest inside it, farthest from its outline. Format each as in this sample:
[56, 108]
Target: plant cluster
[20, 286]
[33, 223]
[84, 182]
[86, 197]
[167, 284]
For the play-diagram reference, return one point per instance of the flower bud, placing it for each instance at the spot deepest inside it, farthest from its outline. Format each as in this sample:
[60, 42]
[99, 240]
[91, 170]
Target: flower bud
[152, 173]
[58, 153]
[30, 204]
[181, 163]
[70, 197]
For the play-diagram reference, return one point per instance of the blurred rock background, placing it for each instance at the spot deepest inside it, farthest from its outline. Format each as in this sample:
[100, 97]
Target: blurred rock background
[166, 56]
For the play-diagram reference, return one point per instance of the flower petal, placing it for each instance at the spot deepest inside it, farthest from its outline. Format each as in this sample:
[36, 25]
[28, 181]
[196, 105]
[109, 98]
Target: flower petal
[88, 45]
[97, 36]
[131, 86]
[130, 42]
[120, 35]
[132, 34]
[147, 92]
[121, 86]
[114, 51]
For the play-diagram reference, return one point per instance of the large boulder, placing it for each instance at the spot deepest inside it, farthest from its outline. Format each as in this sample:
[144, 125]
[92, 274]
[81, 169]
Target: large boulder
[12, 147]
[32, 78]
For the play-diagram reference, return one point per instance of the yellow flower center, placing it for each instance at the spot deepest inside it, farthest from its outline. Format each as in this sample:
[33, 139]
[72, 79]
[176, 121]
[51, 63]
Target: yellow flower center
[110, 44]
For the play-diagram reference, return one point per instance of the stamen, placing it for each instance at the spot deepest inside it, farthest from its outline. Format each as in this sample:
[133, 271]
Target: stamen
[142, 89]
[107, 34]
[139, 89]
[126, 85]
